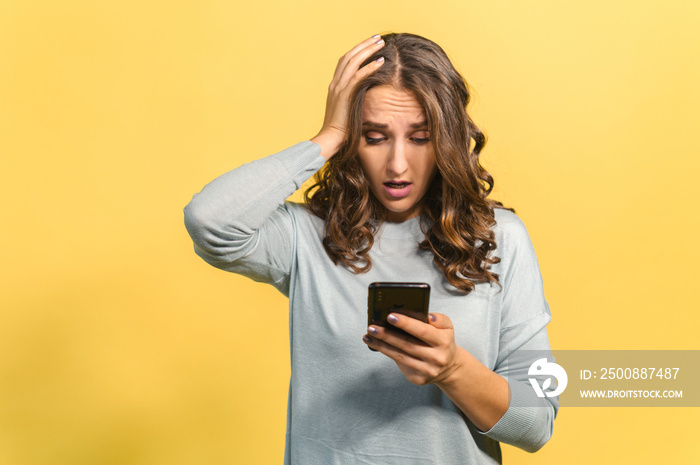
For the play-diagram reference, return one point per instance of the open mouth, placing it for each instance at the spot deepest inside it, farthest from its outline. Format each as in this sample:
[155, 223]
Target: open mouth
[397, 185]
[397, 188]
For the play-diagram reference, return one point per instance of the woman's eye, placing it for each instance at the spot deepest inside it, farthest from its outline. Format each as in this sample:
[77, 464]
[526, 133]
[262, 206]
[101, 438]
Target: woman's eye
[378, 140]
[374, 140]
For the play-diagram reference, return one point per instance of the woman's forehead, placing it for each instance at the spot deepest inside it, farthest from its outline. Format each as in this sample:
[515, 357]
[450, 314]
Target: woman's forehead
[386, 105]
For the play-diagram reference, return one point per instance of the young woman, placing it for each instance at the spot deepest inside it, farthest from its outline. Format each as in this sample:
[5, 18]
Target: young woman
[400, 195]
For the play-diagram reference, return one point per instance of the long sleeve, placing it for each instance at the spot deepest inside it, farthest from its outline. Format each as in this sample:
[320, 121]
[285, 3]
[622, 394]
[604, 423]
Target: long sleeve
[529, 420]
[239, 222]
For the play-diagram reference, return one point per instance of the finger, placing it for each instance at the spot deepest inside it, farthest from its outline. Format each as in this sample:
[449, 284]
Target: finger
[352, 72]
[416, 370]
[404, 342]
[350, 63]
[440, 321]
[392, 351]
[426, 332]
[348, 82]
[366, 70]
[343, 61]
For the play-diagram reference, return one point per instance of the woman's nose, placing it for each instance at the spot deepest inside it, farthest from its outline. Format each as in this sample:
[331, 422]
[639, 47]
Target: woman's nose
[397, 159]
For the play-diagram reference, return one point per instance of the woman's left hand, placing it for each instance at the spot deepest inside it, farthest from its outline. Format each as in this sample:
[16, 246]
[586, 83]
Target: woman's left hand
[429, 357]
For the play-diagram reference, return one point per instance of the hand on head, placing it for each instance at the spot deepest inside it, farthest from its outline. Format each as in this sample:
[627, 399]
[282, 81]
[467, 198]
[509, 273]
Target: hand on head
[334, 131]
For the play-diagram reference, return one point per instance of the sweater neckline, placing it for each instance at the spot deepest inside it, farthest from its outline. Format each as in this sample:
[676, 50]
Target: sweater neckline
[407, 229]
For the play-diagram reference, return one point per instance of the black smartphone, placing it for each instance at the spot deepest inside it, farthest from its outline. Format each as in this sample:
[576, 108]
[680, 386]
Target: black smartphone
[410, 299]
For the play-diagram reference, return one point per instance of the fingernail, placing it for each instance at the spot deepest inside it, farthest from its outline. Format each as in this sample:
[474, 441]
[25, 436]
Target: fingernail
[367, 339]
[380, 60]
[380, 41]
[433, 318]
[392, 319]
[376, 36]
[372, 330]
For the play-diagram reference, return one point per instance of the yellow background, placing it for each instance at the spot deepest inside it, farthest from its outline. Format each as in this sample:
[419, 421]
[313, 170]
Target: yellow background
[119, 346]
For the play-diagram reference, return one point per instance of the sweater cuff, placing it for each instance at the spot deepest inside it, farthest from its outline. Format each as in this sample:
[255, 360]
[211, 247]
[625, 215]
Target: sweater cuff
[519, 419]
[301, 161]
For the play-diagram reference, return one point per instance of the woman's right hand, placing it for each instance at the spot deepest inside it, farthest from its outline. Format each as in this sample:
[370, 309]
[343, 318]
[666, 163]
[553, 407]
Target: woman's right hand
[334, 131]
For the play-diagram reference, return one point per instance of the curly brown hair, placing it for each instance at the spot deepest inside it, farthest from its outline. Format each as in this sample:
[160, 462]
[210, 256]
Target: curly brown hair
[456, 215]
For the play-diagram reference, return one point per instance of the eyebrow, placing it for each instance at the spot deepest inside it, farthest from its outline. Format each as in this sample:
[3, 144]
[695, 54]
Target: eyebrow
[372, 124]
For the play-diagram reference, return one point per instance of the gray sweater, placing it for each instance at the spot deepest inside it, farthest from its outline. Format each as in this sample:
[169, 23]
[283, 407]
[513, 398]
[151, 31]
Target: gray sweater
[347, 404]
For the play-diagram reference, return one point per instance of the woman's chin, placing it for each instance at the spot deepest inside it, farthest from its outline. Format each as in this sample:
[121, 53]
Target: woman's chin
[399, 215]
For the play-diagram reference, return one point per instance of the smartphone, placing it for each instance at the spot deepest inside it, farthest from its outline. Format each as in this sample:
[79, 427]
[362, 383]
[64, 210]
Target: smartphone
[410, 299]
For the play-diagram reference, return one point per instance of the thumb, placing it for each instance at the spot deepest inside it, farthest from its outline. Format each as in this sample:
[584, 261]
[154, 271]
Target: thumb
[440, 321]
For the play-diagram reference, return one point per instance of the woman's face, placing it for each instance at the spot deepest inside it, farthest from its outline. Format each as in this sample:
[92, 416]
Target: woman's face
[395, 151]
